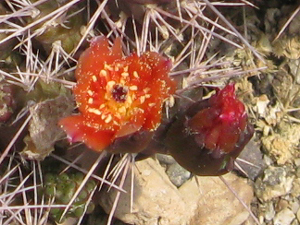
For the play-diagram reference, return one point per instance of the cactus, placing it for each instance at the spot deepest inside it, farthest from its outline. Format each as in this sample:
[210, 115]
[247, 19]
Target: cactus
[171, 37]
[60, 189]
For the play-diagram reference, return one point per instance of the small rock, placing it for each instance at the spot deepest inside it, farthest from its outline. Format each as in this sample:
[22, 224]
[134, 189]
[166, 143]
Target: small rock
[294, 205]
[278, 147]
[298, 172]
[296, 188]
[177, 174]
[297, 162]
[269, 211]
[213, 203]
[274, 175]
[268, 160]
[294, 65]
[165, 159]
[284, 217]
[298, 214]
[274, 183]
[282, 146]
[251, 160]
[295, 222]
[282, 204]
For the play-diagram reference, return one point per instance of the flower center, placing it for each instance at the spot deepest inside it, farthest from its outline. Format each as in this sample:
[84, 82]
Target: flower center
[119, 93]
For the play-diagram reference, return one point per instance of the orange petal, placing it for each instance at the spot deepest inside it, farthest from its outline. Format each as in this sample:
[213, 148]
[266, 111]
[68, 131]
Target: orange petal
[98, 139]
[127, 129]
[92, 60]
[134, 124]
[116, 50]
[78, 131]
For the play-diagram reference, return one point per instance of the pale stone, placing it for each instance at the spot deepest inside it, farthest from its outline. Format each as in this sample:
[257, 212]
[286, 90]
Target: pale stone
[284, 217]
[298, 214]
[157, 201]
[165, 159]
[269, 211]
[282, 146]
[294, 206]
[177, 174]
[275, 183]
[214, 203]
[278, 147]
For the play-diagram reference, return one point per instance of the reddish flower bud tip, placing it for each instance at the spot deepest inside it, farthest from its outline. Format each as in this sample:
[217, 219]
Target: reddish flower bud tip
[117, 96]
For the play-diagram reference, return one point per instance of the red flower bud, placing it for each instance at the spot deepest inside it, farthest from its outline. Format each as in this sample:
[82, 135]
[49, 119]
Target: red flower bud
[210, 134]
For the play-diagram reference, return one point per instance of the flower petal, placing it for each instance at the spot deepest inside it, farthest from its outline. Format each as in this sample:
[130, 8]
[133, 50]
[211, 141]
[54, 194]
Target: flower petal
[78, 131]
[133, 125]
[92, 60]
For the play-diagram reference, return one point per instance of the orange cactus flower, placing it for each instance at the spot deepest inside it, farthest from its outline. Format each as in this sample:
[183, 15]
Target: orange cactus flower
[117, 96]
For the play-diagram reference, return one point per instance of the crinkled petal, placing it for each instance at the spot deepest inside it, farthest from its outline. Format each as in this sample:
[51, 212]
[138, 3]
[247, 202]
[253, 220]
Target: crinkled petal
[133, 125]
[77, 131]
[92, 60]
